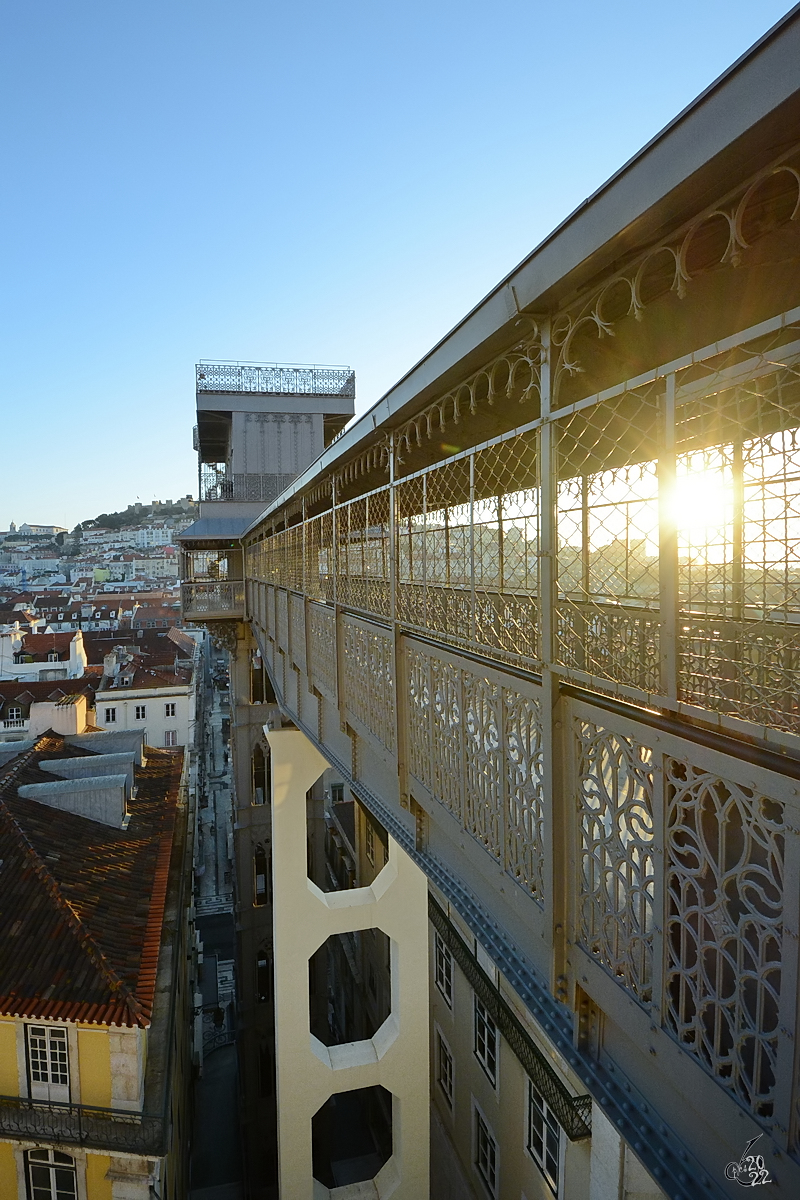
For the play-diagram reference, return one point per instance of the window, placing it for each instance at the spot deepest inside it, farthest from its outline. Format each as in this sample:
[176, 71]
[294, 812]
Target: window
[485, 1044]
[260, 875]
[141, 712]
[170, 737]
[51, 1175]
[13, 714]
[169, 710]
[443, 969]
[370, 843]
[263, 977]
[444, 1068]
[111, 716]
[48, 1062]
[485, 1153]
[52, 656]
[337, 793]
[544, 1136]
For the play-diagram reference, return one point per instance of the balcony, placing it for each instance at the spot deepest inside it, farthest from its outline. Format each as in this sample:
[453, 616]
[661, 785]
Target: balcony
[82, 1125]
[15, 724]
[216, 483]
[217, 600]
[276, 379]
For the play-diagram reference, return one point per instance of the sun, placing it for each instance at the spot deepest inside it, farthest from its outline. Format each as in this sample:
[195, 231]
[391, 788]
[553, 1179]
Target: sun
[701, 503]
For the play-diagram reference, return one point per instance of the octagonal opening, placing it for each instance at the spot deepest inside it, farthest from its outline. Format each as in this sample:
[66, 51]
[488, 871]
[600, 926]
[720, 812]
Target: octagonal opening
[348, 847]
[350, 986]
[351, 1136]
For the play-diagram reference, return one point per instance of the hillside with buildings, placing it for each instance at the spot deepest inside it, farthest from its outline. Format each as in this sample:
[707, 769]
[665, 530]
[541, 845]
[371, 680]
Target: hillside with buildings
[133, 549]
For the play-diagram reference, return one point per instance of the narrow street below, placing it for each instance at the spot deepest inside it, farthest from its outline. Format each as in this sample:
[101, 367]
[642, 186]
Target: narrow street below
[216, 1168]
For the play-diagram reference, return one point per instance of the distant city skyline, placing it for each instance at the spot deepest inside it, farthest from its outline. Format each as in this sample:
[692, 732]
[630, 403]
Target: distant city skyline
[299, 185]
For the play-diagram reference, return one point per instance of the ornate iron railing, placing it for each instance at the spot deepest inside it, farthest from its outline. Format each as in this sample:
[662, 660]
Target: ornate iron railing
[221, 598]
[646, 540]
[574, 1113]
[276, 379]
[218, 1039]
[217, 484]
[83, 1125]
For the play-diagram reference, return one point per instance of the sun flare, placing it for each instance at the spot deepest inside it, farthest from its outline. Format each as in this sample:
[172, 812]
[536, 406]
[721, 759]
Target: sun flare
[702, 502]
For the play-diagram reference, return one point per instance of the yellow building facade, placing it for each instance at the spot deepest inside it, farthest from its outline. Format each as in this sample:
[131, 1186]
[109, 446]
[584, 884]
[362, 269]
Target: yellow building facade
[94, 946]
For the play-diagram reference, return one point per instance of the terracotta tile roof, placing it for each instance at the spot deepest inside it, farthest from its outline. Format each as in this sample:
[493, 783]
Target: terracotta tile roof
[153, 643]
[141, 676]
[39, 645]
[185, 643]
[16, 691]
[82, 904]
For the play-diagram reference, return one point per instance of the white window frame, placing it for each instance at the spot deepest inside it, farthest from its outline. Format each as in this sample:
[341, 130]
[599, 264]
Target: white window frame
[46, 1157]
[445, 1067]
[111, 716]
[480, 1126]
[140, 712]
[443, 969]
[170, 708]
[550, 1135]
[48, 1061]
[170, 737]
[485, 1039]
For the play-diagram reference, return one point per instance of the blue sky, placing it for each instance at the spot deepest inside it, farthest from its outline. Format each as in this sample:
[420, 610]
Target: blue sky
[308, 182]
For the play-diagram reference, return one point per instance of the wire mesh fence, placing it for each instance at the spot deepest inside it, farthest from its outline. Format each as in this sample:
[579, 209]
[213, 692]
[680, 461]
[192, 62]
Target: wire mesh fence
[673, 537]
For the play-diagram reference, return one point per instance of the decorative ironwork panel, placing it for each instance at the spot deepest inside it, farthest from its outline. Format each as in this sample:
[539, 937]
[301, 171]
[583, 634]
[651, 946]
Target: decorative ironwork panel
[255, 559]
[725, 928]
[282, 618]
[363, 553]
[369, 679]
[615, 807]
[483, 815]
[715, 240]
[513, 377]
[522, 745]
[210, 599]
[717, 548]
[447, 746]
[297, 614]
[608, 539]
[476, 746]
[467, 547]
[81, 1125]
[737, 511]
[276, 379]
[620, 644]
[322, 648]
[417, 667]
[217, 483]
[318, 572]
[270, 612]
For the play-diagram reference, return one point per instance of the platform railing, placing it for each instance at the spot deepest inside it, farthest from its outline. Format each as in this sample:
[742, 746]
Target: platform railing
[82, 1125]
[220, 598]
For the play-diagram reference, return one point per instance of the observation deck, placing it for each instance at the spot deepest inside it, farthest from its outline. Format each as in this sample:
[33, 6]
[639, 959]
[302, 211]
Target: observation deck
[278, 379]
